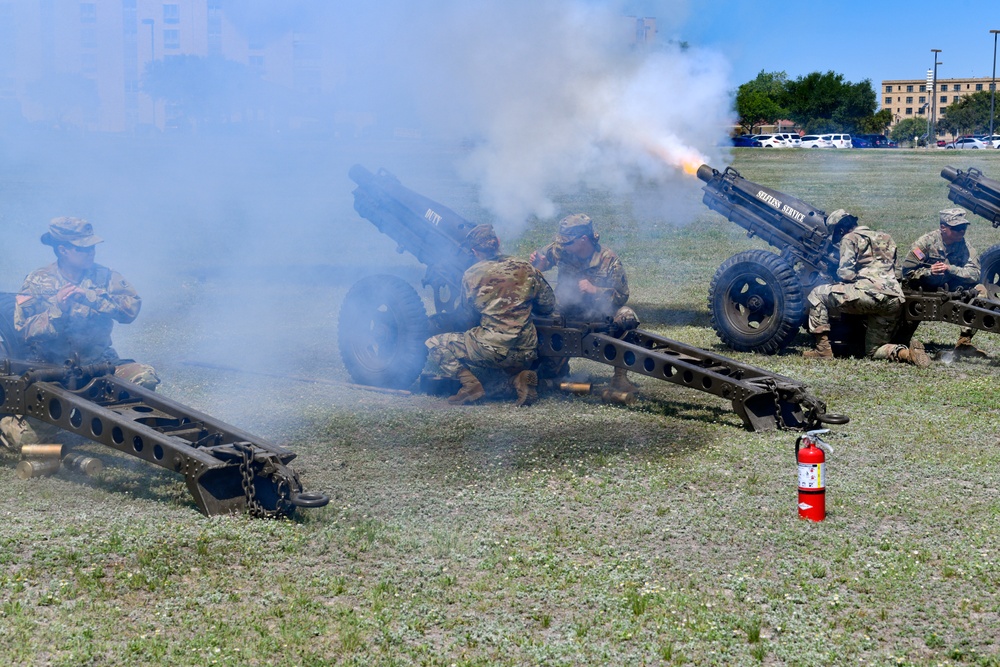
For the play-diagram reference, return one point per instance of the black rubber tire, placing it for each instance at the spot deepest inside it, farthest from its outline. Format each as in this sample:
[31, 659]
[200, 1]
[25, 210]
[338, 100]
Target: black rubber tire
[381, 332]
[10, 343]
[989, 265]
[757, 302]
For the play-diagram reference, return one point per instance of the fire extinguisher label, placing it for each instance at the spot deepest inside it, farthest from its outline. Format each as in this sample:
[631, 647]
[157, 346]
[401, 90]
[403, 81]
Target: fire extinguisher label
[811, 476]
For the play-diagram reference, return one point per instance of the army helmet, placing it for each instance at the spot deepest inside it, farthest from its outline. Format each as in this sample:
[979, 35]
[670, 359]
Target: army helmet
[840, 218]
[573, 227]
[953, 217]
[483, 238]
[71, 231]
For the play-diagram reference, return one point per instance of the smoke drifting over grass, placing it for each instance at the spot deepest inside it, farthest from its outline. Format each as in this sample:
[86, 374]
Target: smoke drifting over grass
[527, 100]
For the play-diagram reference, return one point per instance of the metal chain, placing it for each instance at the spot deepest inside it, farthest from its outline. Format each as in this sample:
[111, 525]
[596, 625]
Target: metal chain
[773, 387]
[254, 507]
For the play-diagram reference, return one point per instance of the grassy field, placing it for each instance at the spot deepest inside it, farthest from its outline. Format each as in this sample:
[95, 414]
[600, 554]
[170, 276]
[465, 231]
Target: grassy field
[570, 533]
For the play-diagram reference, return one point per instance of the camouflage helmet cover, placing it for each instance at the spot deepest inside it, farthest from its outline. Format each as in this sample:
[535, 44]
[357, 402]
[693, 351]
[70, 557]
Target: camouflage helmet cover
[573, 227]
[71, 231]
[953, 217]
[482, 237]
[840, 217]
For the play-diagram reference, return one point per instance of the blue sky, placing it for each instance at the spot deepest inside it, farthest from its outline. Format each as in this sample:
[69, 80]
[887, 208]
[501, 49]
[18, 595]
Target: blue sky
[873, 39]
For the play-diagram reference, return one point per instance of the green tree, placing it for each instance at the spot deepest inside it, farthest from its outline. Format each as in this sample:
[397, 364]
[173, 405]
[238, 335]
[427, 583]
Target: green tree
[758, 101]
[877, 122]
[204, 91]
[908, 128]
[824, 102]
[970, 115]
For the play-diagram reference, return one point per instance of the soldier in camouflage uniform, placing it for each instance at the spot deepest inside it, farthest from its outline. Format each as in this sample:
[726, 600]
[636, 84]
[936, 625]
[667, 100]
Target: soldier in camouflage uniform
[591, 284]
[503, 293]
[943, 260]
[66, 311]
[869, 287]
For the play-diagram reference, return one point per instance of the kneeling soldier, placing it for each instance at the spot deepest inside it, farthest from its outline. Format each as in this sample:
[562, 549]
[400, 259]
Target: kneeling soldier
[869, 287]
[66, 311]
[503, 293]
[943, 260]
[591, 284]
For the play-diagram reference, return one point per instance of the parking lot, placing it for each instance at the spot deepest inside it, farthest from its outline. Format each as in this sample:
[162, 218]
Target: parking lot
[838, 140]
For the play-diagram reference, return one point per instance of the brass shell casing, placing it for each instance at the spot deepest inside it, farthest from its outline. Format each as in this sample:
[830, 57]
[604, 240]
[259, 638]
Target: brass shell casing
[620, 397]
[88, 465]
[36, 468]
[41, 451]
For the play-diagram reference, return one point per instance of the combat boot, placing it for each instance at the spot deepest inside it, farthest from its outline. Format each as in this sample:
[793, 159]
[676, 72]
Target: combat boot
[620, 381]
[16, 431]
[915, 355]
[525, 384]
[822, 350]
[965, 348]
[471, 390]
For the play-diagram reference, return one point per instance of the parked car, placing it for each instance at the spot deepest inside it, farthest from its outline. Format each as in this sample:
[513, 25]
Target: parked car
[880, 141]
[816, 141]
[860, 141]
[839, 140]
[966, 142]
[746, 141]
[994, 141]
[791, 138]
[771, 141]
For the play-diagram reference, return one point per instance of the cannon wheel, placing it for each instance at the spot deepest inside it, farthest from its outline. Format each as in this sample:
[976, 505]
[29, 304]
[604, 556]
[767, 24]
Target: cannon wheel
[381, 332]
[9, 341]
[989, 263]
[757, 302]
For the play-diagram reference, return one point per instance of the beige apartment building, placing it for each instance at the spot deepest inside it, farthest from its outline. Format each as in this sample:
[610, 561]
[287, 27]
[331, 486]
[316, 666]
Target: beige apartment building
[908, 98]
[81, 64]
[73, 63]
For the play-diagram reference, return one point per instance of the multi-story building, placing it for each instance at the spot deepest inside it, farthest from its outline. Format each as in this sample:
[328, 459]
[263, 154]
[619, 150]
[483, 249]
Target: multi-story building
[922, 98]
[67, 62]
[83, 64]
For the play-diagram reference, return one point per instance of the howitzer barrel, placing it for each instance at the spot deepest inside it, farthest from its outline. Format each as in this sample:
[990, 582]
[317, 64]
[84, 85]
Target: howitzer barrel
[432, 233]
[706, 173]
[975, 192]
[785, 222]
[425, 215]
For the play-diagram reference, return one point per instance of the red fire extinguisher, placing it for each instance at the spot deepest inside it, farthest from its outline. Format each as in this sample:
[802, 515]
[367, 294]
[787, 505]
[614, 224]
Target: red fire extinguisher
[812, 475]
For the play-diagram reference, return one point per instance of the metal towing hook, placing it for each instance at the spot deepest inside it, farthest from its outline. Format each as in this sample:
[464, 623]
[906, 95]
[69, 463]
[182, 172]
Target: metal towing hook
[783, 403]
[226, 469]
[816, 414]
[281, 491]
[832, 419]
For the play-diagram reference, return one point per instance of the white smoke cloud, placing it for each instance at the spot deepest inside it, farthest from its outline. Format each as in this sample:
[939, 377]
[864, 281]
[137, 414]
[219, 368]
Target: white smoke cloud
[547, 96]
[552, 96]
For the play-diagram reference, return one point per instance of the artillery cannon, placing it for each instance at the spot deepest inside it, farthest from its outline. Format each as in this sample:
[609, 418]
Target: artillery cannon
[758, 298]
[980, 195]
[226, 469]
[383, 323]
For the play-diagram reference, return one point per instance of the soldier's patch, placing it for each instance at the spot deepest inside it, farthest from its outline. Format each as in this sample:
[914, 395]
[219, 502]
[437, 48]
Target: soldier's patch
[22, 298]
[919, 253]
